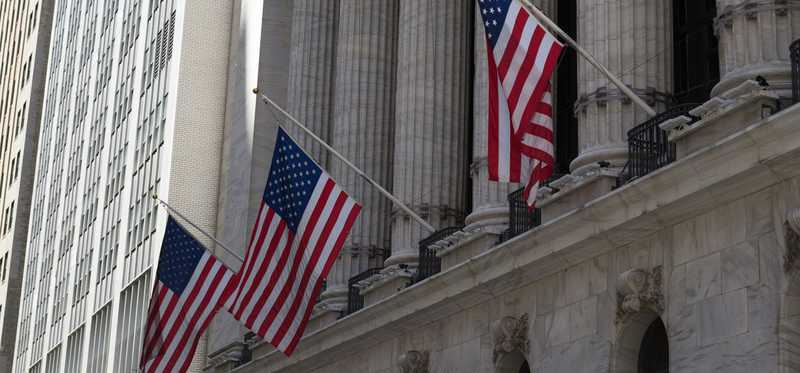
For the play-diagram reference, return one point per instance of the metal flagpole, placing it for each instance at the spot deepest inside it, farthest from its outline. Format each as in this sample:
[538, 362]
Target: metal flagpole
[613, 78]
[212, 238]
[333, 151]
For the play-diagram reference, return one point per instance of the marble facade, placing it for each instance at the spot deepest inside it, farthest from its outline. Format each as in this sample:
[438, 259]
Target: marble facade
[708, 244]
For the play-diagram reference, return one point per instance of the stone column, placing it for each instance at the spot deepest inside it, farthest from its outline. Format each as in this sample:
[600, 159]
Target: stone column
[754, 38]
[310, 97]
[363, 129]
[433, 94]
[489, 199]
[633, 38]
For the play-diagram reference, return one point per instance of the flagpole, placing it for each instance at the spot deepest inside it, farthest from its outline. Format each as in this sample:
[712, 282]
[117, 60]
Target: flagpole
[333, 151]
[212, 238]
[613, 78]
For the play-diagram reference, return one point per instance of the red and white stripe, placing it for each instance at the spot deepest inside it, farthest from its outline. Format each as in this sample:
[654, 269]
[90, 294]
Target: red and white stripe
[176, 322]
[538, 148]
[520, 66]
[283, 270]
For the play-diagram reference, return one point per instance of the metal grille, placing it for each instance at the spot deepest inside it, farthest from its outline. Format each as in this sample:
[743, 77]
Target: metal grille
[794, 51]
[429, 263]
[520, 218]
[355, 301]
[648, 146]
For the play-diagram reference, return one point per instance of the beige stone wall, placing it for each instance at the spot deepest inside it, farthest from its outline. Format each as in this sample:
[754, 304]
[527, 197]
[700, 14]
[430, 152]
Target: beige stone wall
[722, 285]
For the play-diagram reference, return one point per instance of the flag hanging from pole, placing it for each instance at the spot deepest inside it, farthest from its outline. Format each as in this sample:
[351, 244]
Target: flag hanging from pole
[522, 56]
[302, 223]
[191, 286]
[537, 148]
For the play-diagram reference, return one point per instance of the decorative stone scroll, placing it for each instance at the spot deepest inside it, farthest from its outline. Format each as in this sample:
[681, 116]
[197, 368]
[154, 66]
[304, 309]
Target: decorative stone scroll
[639, 290]
[510, 334]
[414, 362]
[792, 228]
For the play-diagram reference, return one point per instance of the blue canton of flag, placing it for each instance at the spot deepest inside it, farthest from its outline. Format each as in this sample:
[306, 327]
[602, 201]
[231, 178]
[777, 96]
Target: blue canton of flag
[179, 256]
[292, 178]
[494, 16]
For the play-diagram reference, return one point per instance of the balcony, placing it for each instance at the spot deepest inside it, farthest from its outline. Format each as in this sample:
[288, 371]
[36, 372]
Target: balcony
[429, 263]
[648, 146]
[520, 218]
[355, 301]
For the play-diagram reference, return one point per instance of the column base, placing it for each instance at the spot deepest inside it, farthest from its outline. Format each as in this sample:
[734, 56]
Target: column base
[409, 259]
[490, 219]
[588, 161]
[777, 74]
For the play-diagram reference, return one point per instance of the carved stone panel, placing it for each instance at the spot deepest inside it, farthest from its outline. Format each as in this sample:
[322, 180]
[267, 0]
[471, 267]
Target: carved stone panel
[414, 362]
[639, 290]
[510, 334]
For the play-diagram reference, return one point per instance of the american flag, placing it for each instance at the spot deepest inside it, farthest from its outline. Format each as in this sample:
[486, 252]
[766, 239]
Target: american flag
[522, 56]
[537, 148]
[301, 225]
[191, 286]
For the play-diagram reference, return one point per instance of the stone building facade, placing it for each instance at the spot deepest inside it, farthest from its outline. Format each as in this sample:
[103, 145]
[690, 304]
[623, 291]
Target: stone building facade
[688, 267]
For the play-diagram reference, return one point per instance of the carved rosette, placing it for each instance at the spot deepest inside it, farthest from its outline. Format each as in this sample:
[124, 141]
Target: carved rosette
[510, 334]
[639, 290]
[414, 362]
[792, 228]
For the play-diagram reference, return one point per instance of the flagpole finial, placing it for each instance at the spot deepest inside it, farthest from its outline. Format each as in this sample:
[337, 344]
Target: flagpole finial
[154, 196]
[255, 90]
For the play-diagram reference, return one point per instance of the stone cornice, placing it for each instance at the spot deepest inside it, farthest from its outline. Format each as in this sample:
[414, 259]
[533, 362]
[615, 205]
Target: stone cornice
[762, 155]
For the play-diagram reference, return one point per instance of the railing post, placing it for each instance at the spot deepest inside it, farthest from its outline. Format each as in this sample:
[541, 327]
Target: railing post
[794, 52]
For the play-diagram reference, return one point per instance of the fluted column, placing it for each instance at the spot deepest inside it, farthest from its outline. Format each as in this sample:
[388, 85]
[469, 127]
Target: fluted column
[311, 71]
[363, 128]
[430, 155]
[489, 199]
[633, 38]
[754, 38]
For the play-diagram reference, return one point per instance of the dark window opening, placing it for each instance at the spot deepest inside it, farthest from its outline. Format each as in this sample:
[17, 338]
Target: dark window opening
[696, 50]
[525, 368]
[566, 93]
[654, 352]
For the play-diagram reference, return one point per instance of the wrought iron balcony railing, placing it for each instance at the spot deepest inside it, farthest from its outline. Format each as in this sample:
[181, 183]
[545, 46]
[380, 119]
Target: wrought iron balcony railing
[355, 301]
[794, 52]
[520, 218]
[648, 146]
[429, 263]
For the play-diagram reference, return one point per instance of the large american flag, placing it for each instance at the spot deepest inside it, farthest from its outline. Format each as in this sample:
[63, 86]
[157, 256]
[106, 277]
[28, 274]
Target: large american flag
[191, 286]
[301, 225]
[522, 56]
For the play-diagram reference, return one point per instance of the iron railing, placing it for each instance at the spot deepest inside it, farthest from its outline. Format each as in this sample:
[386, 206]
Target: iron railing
[648, 145]
[355, 301]
[794, 52]
[520, 218]
[429, 263]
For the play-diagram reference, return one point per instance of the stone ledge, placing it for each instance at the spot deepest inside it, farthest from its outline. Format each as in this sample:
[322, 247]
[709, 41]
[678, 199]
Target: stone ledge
[761, 155]
[467, 246]
[722, 117]
[576, 192]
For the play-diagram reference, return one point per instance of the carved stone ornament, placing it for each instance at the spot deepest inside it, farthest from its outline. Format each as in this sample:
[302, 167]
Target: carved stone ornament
[414, 362]
[639, 290]
[792, 228]
[510, 334]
